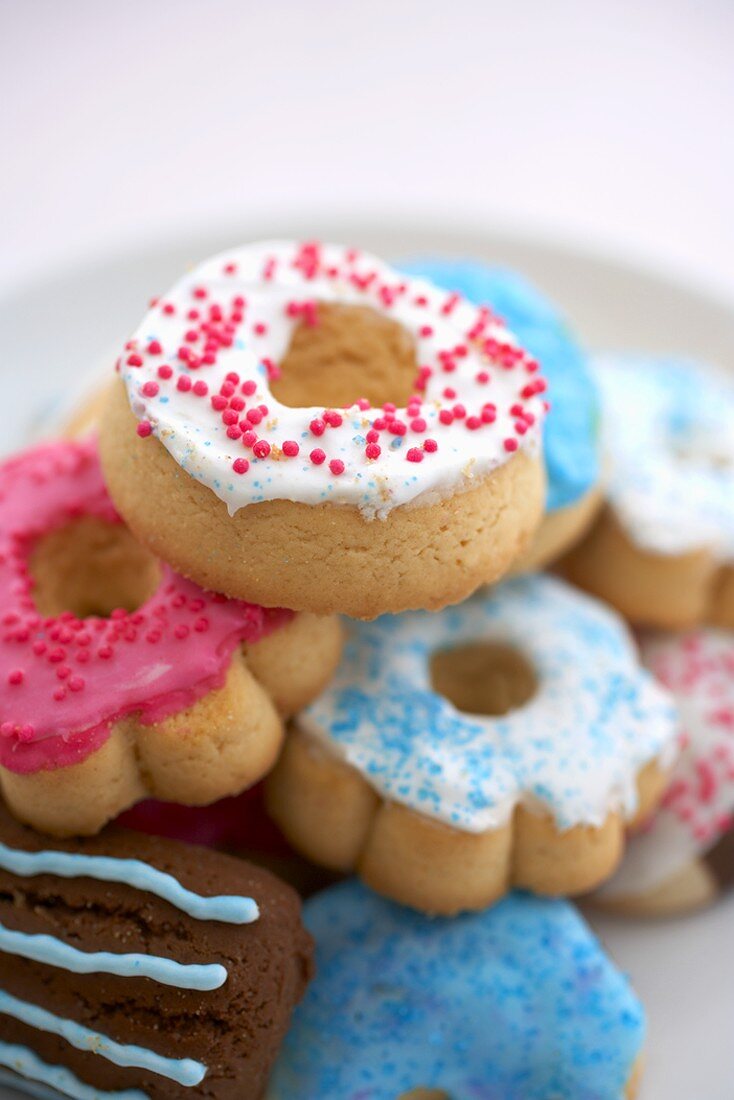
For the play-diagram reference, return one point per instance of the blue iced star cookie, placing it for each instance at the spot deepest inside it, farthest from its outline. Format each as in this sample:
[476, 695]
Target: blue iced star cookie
[516, 1003]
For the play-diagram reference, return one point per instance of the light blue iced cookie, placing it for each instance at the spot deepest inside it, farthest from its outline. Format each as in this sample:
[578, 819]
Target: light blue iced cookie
[570, 437]
[515, 1003]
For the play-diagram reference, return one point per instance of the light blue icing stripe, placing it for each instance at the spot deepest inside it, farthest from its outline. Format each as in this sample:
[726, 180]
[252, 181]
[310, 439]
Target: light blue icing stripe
[184, 1071]
[54, 952]
[130, 872]
[47, 1082]
[571, 441]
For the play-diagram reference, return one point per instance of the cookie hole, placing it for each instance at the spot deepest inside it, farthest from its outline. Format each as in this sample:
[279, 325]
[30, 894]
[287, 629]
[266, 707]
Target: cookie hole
[483, 678]
[91, 567]
[425, 1094]
[348, 353]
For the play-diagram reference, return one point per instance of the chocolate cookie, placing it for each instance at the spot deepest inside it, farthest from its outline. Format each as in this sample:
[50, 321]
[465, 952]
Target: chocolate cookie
[142, 968]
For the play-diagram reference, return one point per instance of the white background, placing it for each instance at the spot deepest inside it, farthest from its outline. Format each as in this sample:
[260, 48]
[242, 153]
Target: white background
[600, 121]
[604, 123]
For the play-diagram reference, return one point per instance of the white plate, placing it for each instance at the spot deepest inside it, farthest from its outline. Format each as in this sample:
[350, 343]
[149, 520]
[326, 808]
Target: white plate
[56, 329]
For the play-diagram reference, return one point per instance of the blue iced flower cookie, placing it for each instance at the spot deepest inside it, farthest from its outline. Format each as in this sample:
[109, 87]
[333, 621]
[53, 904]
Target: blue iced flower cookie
[515, 1003]
[571, 432]
[504, 741]
[663, 550]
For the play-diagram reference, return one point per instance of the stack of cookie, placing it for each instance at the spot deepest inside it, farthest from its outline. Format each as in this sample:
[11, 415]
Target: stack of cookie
[304, 444]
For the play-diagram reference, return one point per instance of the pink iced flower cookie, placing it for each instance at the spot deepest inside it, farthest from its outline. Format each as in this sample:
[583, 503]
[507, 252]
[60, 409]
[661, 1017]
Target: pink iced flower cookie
[685, 856]
[120, 679]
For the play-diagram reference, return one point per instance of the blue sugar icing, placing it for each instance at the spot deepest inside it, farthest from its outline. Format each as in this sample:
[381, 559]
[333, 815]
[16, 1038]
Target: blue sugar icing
[668, 430]
[184, 1071]
[133, 873]
[54, 952]
[47, 1082]
[596, 718]
[570, 438]
[516, 1003]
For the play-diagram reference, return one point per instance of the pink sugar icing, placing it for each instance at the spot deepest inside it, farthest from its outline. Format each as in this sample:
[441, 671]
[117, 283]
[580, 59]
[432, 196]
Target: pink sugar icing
[65, 680]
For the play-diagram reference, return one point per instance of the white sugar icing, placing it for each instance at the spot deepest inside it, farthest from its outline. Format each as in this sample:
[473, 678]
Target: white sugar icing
[573, 750]
[698, 808]
[668, 431]
[246, 304]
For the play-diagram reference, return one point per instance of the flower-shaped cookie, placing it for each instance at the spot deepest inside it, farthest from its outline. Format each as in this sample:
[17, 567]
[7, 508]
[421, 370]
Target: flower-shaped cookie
[506, 741]
[181, 695]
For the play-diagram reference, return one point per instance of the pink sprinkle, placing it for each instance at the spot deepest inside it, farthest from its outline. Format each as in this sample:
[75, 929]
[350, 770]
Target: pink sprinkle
[164, 371]
[317, 456]
[425, 330]
[219, 402]
[317, 426]
[150, 389]
[260, 329]
[135, 360]
[154, 347]
[16, 676]
[249, 438]
[510, 445]
[418, 425]
[240, 465]
[200, 388]
[372, 450]
[184, 383]
[249, 387]
[446, 416]
[333, 418]
[415, 454]
[336, 466]
[261, 448]
[290, 448]
[144, 429]
[430, 446]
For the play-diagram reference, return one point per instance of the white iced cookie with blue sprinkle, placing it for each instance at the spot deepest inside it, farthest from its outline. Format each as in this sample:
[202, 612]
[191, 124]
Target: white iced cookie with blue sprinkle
[662, 552]
[508, 741]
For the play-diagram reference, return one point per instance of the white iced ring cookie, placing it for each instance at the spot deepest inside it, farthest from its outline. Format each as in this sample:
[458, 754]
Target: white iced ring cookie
[302, 425]
[662, 552]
